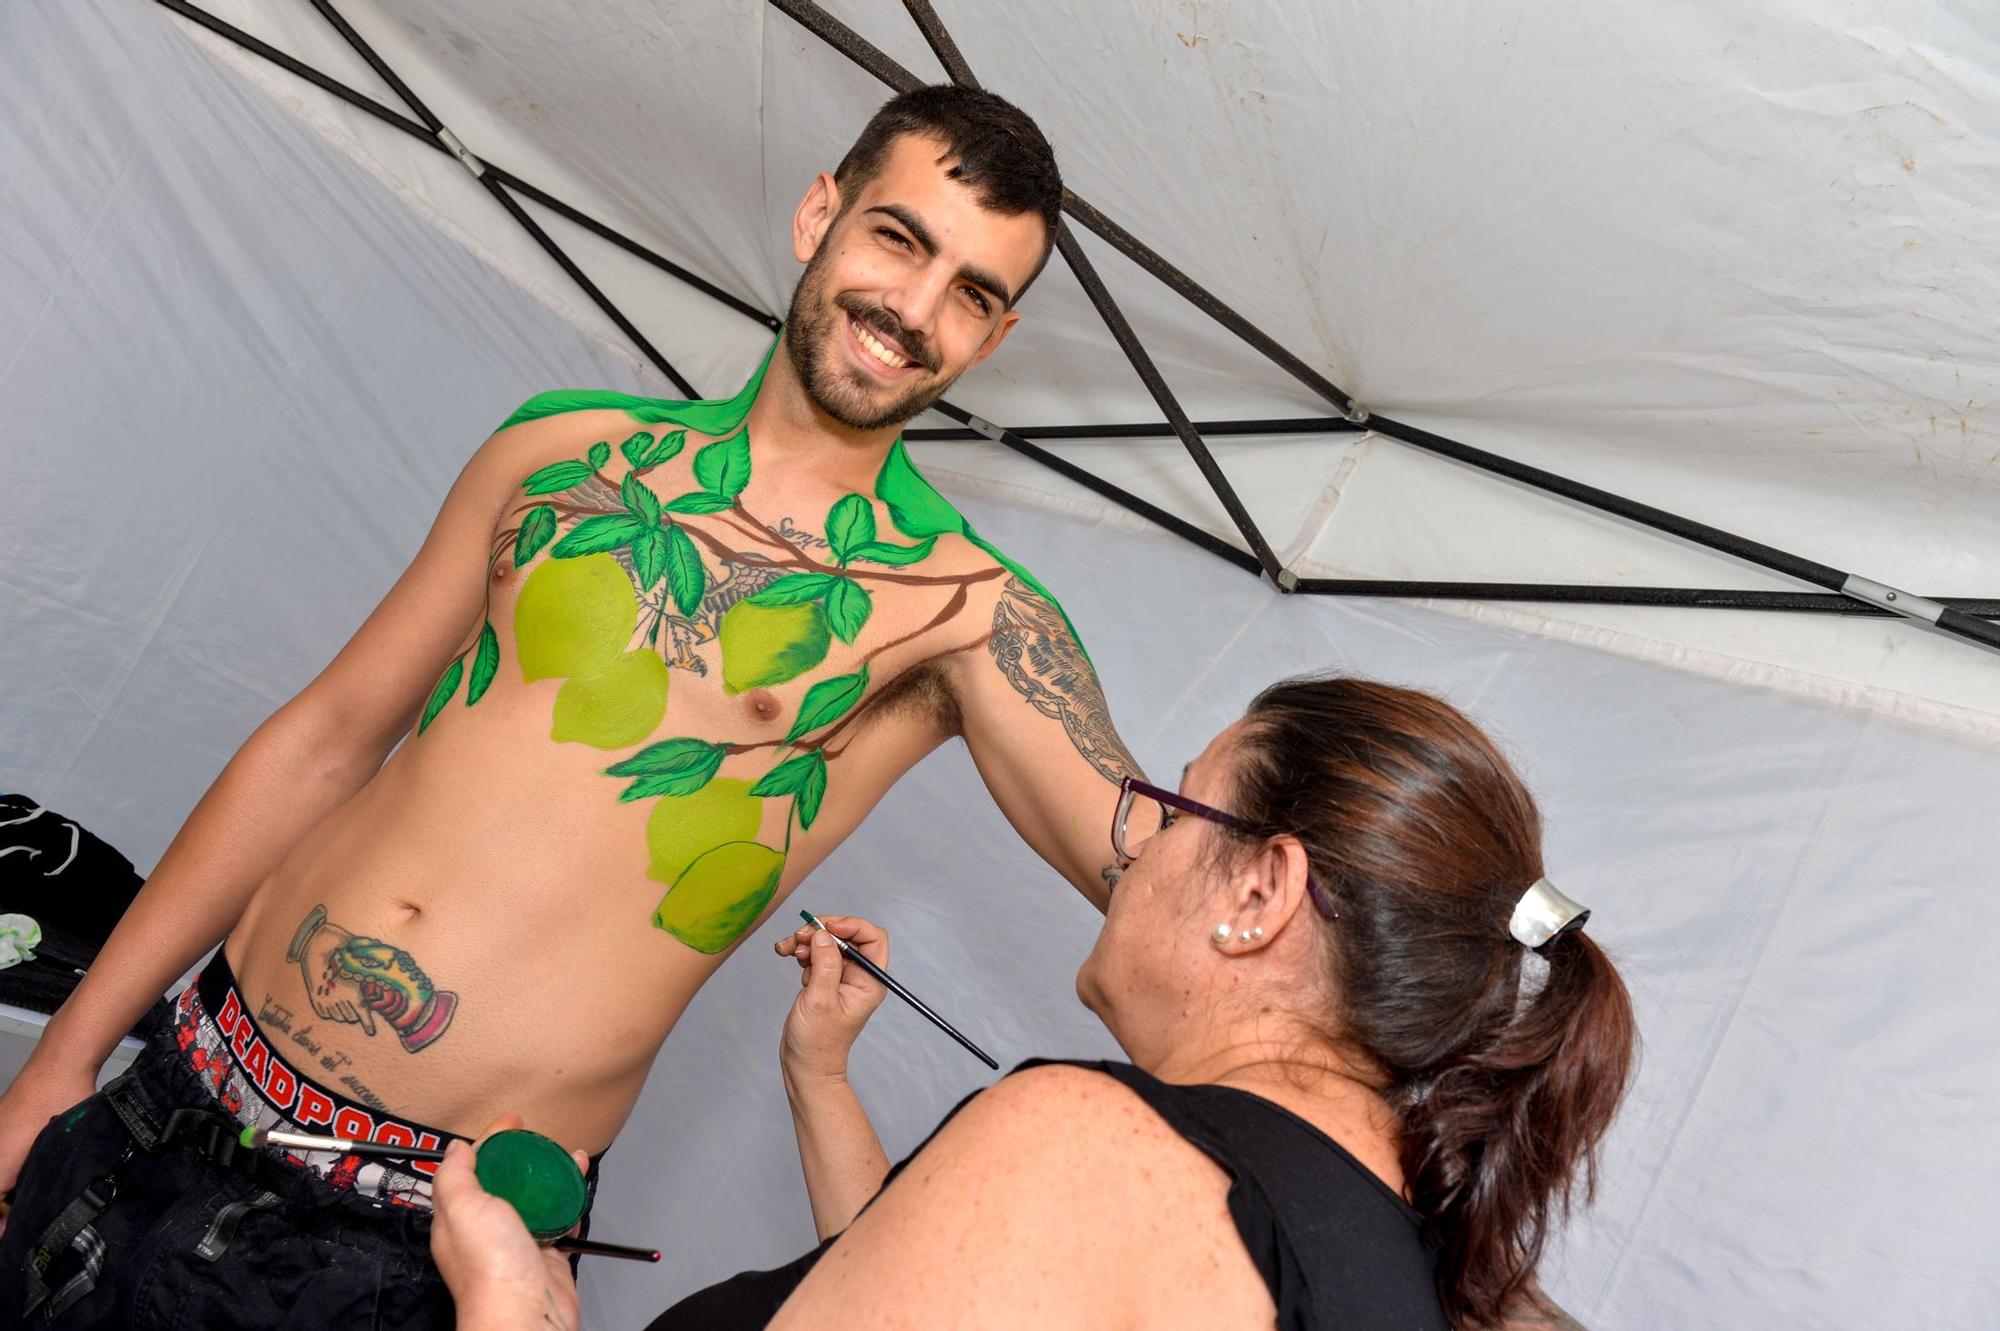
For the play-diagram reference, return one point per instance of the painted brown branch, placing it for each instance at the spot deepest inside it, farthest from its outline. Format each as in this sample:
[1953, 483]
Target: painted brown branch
[951, 607]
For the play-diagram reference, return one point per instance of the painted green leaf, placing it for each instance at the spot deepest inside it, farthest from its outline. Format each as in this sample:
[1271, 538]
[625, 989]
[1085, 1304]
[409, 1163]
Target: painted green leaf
[555, 477]
[596, 535]
[537, 529]
[446, 686]
[665, 451]
[915, 506]
[671, 767]
[724, 467]
[686, 578]
[698, 501]
[850, 524]
[649, 557]
[828, 701]
[645, 410]
[600, 453]
[795, 589]
[803, 778]
[848, 606]
[635, 448]
[640, 502]
[881, 552]
[485, 661]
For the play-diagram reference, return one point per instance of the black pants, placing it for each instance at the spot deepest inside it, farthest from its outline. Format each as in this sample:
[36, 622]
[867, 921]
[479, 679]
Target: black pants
[164, 1238]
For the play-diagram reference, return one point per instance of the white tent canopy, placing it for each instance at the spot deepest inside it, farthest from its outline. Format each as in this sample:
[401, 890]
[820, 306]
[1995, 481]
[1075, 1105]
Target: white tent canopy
[1738, 267]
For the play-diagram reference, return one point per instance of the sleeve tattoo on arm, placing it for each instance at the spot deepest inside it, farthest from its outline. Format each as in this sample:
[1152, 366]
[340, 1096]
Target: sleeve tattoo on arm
[1035, 651]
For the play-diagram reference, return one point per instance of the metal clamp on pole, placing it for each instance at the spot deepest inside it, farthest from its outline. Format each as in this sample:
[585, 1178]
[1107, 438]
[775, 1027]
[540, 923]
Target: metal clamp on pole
[456, 147]
[1891, 599]
[986, 427]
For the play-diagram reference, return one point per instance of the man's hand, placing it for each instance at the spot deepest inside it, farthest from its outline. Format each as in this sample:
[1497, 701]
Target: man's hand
[34, 1097]
[501, 1279]
[836, 997]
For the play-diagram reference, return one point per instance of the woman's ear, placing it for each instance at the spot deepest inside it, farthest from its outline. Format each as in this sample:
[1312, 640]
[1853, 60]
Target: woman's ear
[1266, 894]
[814, 217]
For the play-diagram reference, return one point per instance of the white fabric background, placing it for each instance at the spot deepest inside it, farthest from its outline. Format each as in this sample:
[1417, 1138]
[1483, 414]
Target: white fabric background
[237, 376]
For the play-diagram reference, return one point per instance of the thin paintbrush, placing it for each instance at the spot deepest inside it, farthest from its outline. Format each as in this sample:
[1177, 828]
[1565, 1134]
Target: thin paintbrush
[258, 1138]
[853, 953]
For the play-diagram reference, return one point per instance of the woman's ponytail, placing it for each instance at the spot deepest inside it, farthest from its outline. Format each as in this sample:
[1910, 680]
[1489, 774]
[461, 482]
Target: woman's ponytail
[1500, 1137]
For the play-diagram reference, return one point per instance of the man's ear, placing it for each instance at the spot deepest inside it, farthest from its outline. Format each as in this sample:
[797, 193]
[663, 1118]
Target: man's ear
[997, 336]
[814, 217]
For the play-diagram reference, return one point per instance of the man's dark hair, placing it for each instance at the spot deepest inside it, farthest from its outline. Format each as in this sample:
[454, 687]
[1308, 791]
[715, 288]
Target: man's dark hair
[996, 151]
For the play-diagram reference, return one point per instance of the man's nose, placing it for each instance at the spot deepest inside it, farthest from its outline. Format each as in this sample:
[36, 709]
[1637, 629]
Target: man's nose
[916, 302]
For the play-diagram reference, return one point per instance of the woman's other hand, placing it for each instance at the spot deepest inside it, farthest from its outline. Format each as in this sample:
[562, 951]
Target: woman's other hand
[500, 1278]
[836, 996]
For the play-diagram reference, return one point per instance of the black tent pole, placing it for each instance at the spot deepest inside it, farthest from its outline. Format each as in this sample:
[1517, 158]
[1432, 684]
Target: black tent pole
[1017, 440]
[485, 177]
[1128, 341]
[1867, 590]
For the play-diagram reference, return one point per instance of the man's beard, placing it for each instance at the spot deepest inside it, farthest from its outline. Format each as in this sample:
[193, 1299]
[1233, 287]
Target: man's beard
[814, 324]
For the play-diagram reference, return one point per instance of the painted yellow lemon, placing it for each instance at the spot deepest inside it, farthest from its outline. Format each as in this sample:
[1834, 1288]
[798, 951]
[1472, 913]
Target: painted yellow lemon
[574, 617]
[721, 895]
[764, 645]
[685, 827]
[615, 708]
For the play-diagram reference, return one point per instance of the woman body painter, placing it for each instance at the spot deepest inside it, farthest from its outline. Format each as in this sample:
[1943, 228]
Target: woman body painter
[1372, 1056]
[653, 663]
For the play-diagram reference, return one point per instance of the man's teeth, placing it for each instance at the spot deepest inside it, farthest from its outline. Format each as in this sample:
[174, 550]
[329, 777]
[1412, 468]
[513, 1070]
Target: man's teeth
[877, 348]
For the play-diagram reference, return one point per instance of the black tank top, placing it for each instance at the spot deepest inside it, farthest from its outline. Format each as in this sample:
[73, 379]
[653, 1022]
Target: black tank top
[1335, 1246]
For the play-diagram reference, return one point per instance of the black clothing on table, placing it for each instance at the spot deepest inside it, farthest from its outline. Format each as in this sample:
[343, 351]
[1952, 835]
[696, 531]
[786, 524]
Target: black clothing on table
[1336, 1247]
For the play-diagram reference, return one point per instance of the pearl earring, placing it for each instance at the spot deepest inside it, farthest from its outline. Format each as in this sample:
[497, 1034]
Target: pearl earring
[1221, 935]
[1245, 935]
[1258, 932]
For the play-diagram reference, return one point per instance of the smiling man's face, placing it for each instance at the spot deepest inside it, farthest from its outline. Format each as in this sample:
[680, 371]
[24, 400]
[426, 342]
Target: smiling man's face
[910, 284]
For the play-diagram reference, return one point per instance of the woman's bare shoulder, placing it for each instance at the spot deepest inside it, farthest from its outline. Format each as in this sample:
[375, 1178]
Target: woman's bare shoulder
[1055, 1171]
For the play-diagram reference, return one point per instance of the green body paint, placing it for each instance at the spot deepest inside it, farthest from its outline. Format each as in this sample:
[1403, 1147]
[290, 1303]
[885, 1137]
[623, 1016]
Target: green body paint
[593, 615]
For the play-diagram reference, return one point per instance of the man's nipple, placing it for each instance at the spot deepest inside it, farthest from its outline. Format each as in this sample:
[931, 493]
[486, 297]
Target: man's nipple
[761, 705]
[501, 569]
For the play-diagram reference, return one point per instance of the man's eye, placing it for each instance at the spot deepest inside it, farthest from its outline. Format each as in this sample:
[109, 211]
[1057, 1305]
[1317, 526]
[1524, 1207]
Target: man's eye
[978, 298]
[895, 237]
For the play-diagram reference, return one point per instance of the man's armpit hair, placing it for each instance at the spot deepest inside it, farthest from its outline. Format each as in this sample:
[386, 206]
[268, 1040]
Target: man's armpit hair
[1035, 651]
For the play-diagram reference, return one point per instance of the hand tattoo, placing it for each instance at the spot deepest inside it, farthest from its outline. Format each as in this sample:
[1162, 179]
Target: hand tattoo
[355, 980]
[1034, 650]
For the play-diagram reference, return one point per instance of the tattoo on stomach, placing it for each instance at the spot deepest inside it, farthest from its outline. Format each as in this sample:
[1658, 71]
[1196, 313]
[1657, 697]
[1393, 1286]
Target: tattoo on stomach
[362, 981]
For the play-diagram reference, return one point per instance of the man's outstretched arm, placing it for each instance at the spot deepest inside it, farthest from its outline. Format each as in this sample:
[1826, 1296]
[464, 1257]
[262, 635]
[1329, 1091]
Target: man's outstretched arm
[309, 757]
[1035, 719]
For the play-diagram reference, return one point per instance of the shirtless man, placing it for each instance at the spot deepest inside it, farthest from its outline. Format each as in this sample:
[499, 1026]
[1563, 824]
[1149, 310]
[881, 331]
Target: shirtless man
[654, 661]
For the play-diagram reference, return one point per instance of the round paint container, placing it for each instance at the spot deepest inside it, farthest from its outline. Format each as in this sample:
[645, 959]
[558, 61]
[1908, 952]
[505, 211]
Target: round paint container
[537, 1176]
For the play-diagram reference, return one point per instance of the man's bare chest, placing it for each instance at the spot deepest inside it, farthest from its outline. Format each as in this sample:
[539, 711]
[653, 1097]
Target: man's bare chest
[721, 663]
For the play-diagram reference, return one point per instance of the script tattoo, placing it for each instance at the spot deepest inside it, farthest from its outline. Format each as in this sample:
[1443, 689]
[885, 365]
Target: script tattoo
[1035, 651]
[357, 980]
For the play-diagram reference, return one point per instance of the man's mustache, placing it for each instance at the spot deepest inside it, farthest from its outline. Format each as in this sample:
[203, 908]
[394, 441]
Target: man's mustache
[887, 327]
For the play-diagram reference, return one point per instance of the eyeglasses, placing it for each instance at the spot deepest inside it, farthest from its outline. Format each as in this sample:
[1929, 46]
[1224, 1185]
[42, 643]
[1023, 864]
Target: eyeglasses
[1127, 841]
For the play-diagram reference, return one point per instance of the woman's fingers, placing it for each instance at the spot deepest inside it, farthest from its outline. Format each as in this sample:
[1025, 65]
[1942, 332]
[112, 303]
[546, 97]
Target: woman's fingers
[869, 938]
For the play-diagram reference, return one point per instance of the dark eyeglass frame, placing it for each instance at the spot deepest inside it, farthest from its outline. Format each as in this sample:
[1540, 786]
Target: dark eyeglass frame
[1132, 787]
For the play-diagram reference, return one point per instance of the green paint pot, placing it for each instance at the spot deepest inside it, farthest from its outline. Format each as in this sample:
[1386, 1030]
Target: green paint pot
[535, 1175]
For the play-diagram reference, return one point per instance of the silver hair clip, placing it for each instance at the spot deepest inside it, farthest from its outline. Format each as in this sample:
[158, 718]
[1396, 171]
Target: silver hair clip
[1542, 913]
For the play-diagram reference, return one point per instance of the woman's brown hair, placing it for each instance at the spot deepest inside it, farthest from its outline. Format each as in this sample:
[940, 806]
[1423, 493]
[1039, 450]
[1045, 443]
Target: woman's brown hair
[1423, 839]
